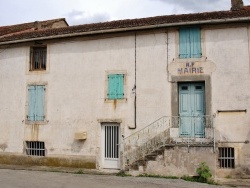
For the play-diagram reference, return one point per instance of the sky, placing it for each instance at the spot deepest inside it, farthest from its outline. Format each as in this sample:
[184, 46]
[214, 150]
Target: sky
[79, 12]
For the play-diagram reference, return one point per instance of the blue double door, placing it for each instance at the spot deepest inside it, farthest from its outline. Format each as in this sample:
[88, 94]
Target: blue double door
[192, 109]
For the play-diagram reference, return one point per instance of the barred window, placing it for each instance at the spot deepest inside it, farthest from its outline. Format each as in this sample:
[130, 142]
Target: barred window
[35, 148]
[226, 157]
[38, 58]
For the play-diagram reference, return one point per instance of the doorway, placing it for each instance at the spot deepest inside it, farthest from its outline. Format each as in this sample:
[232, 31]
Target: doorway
[192, 109]
[110, 142]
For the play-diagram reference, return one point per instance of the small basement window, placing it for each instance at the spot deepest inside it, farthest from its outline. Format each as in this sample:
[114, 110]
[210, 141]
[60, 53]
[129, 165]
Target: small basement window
[35, 148]
[226, 157]
[38, 58]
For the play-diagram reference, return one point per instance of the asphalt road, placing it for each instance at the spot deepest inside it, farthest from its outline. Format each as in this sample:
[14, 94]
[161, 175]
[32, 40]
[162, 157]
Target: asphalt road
[42, 179]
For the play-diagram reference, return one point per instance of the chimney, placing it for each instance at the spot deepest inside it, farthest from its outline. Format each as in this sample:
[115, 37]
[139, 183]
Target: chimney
[37, 25]
[237, 4]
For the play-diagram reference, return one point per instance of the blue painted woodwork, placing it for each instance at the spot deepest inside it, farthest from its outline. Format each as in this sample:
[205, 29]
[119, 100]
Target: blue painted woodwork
[115, 86]
[36, 102]
[190, 42]
[192, 109]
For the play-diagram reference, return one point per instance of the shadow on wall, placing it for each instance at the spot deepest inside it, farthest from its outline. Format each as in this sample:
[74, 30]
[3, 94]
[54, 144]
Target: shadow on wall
[77, 146]
[244, 170]
[3, 146]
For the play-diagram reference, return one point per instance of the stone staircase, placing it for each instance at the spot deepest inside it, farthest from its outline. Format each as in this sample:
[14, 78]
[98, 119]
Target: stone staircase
[150, 142]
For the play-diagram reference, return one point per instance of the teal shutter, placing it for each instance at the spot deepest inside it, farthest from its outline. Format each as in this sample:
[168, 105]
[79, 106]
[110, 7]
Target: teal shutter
[111, 86]
[195, 41]
[36, 103]
[184, 43]
[120, 87]
[190, 43]
[115, 86]
[40, 103]
[31, 103]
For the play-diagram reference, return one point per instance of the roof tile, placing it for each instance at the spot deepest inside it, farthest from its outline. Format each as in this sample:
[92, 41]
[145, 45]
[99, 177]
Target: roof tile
[27, 33]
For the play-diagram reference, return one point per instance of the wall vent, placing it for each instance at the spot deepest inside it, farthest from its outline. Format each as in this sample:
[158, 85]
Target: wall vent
[36, 148]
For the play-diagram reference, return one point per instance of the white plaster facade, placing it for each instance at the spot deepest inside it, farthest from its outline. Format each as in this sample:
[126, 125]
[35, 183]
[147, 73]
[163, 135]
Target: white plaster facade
[76, 92]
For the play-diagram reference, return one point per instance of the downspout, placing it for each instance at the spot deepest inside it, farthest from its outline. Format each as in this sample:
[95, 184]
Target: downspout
[248, 33]
[134, 90]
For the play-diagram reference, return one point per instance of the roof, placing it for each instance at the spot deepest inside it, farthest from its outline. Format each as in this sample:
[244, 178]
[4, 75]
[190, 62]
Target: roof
[31, 26]
[26, 33]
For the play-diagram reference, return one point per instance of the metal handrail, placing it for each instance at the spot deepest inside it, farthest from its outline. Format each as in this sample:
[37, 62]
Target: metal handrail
[157, 134]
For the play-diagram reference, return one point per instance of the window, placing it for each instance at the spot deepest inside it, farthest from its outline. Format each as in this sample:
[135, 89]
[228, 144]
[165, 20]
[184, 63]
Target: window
[226, 158]
[115, 86]
[38, 58]
[190, 42]
[36, 94]
[35, 148]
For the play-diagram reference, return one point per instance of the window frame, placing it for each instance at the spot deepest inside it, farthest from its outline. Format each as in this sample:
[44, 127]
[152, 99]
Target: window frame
[37, 50]
[44, 121]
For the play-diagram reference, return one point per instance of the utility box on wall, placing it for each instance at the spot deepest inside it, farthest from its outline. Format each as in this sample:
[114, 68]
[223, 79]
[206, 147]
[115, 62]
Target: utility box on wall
[80, 135]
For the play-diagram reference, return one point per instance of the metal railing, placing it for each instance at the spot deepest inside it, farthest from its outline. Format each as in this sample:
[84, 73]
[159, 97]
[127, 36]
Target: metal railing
[168, 130]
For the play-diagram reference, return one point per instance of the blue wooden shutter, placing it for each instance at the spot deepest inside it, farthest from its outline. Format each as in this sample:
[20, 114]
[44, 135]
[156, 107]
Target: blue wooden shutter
[111, 86]
[120, 86]
[115, 86]
[195, 42]
[31, 103]
[184, 45]
[40, 103]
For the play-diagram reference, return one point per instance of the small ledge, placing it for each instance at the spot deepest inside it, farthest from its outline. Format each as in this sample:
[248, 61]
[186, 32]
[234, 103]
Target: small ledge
[228, 111]
[109, 120]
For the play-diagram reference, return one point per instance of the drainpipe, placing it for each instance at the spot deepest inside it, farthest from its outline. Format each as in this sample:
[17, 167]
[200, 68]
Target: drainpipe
[134, 89]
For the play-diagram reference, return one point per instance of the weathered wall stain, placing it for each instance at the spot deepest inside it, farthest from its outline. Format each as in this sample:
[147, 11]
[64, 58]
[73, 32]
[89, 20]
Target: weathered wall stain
[83, 162]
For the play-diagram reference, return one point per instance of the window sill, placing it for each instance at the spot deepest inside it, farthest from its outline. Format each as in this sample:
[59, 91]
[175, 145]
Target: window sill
[185, 60]
[115, 100]
[27, 122]
[37, 72]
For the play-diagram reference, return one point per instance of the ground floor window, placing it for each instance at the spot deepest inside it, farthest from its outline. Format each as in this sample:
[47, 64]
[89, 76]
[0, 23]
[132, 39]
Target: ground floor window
[35, 148]
[226, 157]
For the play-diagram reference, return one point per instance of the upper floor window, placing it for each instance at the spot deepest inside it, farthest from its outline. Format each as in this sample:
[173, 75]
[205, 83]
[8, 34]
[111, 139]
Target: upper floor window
[38, 58]
[115, 86]
[190, 42]
[36, 99]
